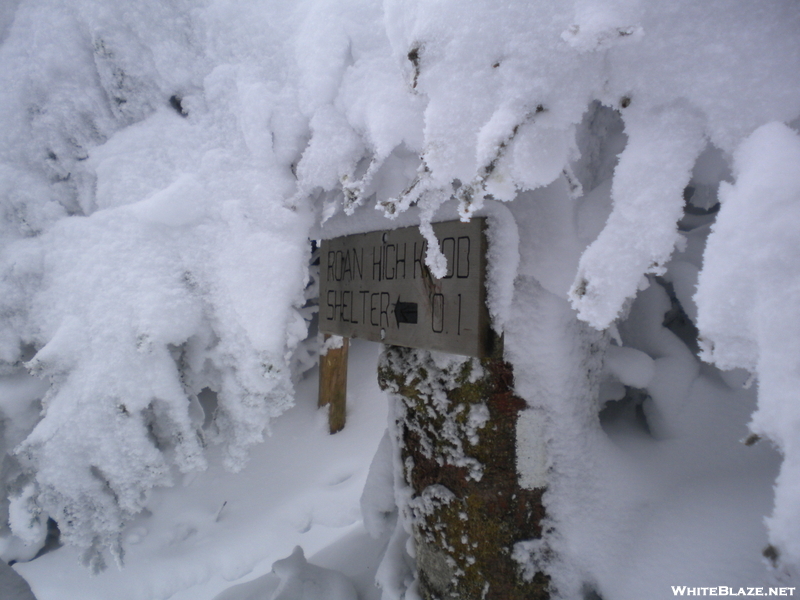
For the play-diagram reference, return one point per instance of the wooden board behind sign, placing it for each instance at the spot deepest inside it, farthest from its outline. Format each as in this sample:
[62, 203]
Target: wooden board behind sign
[376, 286]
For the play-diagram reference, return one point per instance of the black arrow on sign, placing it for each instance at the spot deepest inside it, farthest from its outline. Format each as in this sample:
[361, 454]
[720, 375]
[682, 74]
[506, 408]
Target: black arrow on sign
[405, 312]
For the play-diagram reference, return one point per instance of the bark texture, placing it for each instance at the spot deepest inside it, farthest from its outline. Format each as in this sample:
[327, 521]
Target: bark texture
[457, 429]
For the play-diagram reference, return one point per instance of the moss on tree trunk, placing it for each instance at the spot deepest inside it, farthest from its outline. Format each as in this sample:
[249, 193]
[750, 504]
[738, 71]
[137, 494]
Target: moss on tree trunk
[457, 429]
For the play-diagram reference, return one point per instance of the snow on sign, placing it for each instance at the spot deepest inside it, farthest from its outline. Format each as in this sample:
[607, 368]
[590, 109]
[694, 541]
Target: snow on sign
[376, 286]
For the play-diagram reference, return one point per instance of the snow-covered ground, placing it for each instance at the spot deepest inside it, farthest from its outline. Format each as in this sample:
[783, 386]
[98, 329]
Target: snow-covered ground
[216, 535]
[302, 486]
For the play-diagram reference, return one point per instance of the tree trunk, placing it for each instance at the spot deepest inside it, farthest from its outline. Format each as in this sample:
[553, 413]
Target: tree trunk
[456, 425]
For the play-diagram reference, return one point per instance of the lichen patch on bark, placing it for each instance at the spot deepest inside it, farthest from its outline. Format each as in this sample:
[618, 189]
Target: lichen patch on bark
[456, 424]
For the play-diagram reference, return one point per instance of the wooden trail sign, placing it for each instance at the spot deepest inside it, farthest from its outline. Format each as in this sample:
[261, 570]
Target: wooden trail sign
[376, 286]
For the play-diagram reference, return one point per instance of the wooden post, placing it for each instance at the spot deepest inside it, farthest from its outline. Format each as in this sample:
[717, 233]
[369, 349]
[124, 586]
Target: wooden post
[333, 384]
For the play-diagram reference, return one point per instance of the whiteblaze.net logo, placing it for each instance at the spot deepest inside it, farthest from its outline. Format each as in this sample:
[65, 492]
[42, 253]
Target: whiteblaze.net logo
[723, 590]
